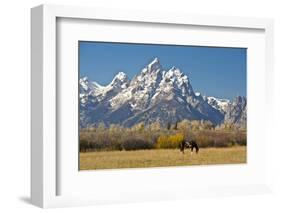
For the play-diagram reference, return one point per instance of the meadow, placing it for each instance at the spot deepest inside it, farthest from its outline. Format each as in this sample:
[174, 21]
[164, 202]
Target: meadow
[156, 145]
[161, 158]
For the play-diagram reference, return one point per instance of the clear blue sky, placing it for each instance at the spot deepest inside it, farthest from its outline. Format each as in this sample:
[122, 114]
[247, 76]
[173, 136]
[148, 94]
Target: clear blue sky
[219, 72]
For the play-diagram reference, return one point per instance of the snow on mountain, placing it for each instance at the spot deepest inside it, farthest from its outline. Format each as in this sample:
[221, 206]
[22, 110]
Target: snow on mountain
[218, 103]
[236, 112]
[119, 82]
[152, 95]
[141, 88]
[88, 90]
[99, 92]
[173, 83]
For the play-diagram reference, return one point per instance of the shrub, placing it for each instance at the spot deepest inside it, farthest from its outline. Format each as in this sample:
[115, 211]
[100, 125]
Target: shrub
[83, 145]
[169, 141]
[204, 140]
[137, 143]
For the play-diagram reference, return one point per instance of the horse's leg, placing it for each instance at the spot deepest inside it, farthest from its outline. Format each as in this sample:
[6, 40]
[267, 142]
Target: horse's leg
[191, 149]
[181, 148]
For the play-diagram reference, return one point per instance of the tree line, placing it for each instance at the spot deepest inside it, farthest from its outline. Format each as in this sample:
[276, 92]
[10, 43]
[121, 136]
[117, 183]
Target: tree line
[157, 136]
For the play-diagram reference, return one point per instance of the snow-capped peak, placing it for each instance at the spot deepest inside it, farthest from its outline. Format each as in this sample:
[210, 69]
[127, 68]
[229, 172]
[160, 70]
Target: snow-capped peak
[120, 80]
[153, 66]
[84, 82]
[121, 76]
[85, 78]
[218, 103]
[175, 72]
[175, 78]
[154, 61]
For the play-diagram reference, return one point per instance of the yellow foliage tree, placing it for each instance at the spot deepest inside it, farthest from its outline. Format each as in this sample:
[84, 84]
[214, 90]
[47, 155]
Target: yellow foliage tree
[169, 141]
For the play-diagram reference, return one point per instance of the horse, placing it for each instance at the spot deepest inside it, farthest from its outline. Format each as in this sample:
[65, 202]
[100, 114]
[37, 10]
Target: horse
[189, 145]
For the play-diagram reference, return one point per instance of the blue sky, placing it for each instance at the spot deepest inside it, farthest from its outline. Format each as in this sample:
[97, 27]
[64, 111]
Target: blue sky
[219, 72]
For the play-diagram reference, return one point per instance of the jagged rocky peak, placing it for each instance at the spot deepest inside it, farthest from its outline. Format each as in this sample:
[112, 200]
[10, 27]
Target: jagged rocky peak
[121, 76]
[120, 80]
[86, 85]
[153, 66]
[149, 77]
[87, 88]
[84, 82]
[174, 75]
[236, 112]
[240, 100]
[84, 79]
[218, 103]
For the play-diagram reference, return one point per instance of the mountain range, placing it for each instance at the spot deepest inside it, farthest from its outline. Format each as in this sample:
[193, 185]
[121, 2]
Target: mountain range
[154, 94]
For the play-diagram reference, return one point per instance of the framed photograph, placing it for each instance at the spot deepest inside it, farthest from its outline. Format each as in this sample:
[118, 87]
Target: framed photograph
[130, 106]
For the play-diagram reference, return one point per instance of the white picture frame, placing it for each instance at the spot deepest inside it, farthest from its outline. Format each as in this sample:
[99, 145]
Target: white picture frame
[45, 168]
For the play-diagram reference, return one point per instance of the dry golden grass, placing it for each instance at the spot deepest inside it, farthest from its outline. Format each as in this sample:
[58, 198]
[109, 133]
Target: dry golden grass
[161, 158]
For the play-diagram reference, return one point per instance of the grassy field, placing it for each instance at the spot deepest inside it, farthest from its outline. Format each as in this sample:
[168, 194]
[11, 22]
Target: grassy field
[160, 158]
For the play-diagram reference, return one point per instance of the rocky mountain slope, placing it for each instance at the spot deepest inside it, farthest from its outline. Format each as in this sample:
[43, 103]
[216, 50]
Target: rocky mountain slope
[152, 95]
[236, 112]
